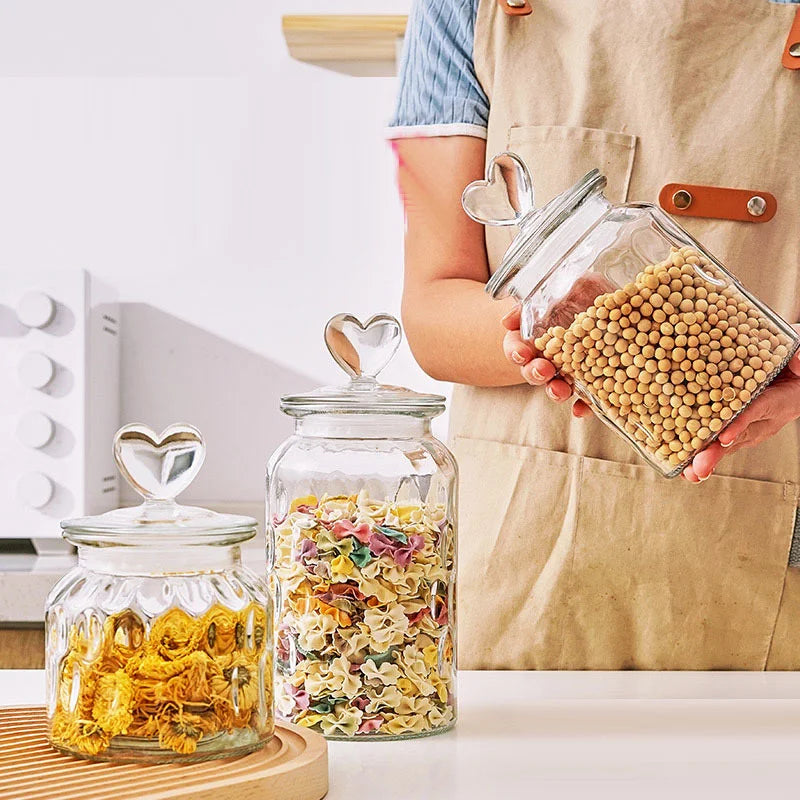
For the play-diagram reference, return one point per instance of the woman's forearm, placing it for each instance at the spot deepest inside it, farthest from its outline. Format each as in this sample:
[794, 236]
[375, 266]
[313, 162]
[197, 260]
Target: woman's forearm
[452, 325]
[454, 330]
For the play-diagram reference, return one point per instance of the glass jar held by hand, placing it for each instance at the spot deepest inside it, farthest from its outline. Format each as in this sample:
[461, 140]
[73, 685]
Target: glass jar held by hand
[662, 341]
[362, 504]
[159, 643]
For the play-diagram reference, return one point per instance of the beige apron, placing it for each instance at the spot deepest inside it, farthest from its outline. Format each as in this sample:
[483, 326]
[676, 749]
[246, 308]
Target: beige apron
[573, 554]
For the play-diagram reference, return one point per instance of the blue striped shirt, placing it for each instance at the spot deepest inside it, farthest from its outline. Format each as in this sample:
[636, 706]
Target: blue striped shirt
[439, 93]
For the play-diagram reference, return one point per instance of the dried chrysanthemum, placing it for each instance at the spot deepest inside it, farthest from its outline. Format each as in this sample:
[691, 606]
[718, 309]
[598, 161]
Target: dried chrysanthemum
[174, 635]
[62, 728]
[192, 684]
[143, 725]
[219, 625]
[237, 682]
[113, 702]
[254, 622]
[180, 732]
[124, 636]
[173, 685]
[76, 687]
[88, 737]
[86, 638]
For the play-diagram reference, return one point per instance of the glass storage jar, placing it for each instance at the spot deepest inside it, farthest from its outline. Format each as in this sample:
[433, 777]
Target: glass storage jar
[653, 332]
[362, 506]
[159, 642]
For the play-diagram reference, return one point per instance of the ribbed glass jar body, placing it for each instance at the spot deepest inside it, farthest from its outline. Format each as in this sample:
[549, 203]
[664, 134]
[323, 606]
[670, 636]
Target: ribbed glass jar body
[362, 515]
[159, 654]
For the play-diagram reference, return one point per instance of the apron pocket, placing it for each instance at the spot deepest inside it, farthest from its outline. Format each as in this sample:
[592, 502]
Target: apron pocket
[669, 575]
[558, 156]
[569, 562]
[517, 511]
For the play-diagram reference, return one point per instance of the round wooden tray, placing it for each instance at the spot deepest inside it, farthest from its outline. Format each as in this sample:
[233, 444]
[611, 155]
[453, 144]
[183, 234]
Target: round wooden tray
[292, 766]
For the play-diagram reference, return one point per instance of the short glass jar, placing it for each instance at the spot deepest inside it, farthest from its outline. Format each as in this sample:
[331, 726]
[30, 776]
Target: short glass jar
[653, 332]
[159, 642]
[362, 506]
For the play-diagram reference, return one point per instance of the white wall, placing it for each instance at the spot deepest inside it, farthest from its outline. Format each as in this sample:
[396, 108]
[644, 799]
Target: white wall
[236, 198]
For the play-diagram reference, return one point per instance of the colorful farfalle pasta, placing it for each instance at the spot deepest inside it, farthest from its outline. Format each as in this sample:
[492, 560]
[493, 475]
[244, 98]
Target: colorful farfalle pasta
[364, 636]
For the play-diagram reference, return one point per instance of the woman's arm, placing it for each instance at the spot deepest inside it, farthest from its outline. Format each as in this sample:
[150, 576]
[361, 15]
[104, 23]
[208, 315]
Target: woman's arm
[453, 327]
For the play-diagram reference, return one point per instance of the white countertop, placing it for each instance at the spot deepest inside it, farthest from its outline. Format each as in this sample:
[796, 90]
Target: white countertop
[643, 735]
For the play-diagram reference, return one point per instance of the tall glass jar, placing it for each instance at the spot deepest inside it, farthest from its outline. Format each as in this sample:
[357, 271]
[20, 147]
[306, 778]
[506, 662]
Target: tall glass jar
[654, 333]
[159, 642]
[362, 506]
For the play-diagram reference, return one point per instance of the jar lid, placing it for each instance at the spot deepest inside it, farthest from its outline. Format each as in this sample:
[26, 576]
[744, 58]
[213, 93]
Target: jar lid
[506, 197]
[362, 350]
[159, 467]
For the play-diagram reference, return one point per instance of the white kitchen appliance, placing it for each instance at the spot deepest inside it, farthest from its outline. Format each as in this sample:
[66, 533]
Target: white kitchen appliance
[59, 401]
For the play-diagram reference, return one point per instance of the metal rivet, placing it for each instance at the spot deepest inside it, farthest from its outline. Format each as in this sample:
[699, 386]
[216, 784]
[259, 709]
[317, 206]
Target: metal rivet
[756, 206]
[794, 50]
[682, 199]
[515, 3]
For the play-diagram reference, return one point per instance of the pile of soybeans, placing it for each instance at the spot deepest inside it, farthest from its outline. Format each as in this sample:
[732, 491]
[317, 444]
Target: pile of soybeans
[672, 357]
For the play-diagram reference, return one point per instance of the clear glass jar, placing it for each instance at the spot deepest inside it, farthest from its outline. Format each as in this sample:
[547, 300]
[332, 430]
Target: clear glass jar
[653, 332]
[362, 505]
[159, 642]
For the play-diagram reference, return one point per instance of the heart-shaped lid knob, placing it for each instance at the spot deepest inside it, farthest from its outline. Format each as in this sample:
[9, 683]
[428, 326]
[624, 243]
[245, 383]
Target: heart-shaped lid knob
[505, 196]
[159, 466]
[362, 349]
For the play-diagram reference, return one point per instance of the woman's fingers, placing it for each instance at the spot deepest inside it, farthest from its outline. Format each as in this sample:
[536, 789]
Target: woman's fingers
[690, 474]
[559, 390]
[704, 463]
[516, 349]
[753, 413]
[580, 409]
[512, 319]
[538, 372]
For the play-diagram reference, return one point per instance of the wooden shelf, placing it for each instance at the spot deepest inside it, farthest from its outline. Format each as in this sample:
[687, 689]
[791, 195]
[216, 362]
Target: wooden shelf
[356, 44]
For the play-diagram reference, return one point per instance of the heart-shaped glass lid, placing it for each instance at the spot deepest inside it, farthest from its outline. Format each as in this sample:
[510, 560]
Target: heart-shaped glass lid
[362, 350]
[159, 466]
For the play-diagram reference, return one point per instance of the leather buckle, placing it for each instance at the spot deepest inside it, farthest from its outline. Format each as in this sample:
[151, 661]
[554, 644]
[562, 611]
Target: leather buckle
[791, 54]
[717, 202]
[516, 8]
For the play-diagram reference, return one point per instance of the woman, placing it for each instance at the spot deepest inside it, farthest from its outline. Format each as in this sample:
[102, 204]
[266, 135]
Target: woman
[574, 554]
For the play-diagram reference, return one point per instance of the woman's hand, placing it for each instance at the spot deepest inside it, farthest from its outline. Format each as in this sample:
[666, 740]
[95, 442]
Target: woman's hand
[536, 371]
[778, 405]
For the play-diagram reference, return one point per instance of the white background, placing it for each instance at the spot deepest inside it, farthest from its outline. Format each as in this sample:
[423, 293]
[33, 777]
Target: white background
[236, 198]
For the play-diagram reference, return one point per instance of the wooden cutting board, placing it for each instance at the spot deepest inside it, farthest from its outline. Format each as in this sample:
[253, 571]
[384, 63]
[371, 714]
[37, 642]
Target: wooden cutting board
[292, 766]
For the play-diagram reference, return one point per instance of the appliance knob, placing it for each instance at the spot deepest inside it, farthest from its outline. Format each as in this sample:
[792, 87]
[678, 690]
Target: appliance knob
[35, 490]
[35, 429]
[36, 370]
[36, 310]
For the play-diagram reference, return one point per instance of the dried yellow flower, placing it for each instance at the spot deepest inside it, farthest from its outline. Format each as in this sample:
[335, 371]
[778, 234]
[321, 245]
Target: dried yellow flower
[88, 737]
[113, 701]
[238, 682]
[187, 679]
[174, 634]
[222, 631]
[180, 733]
